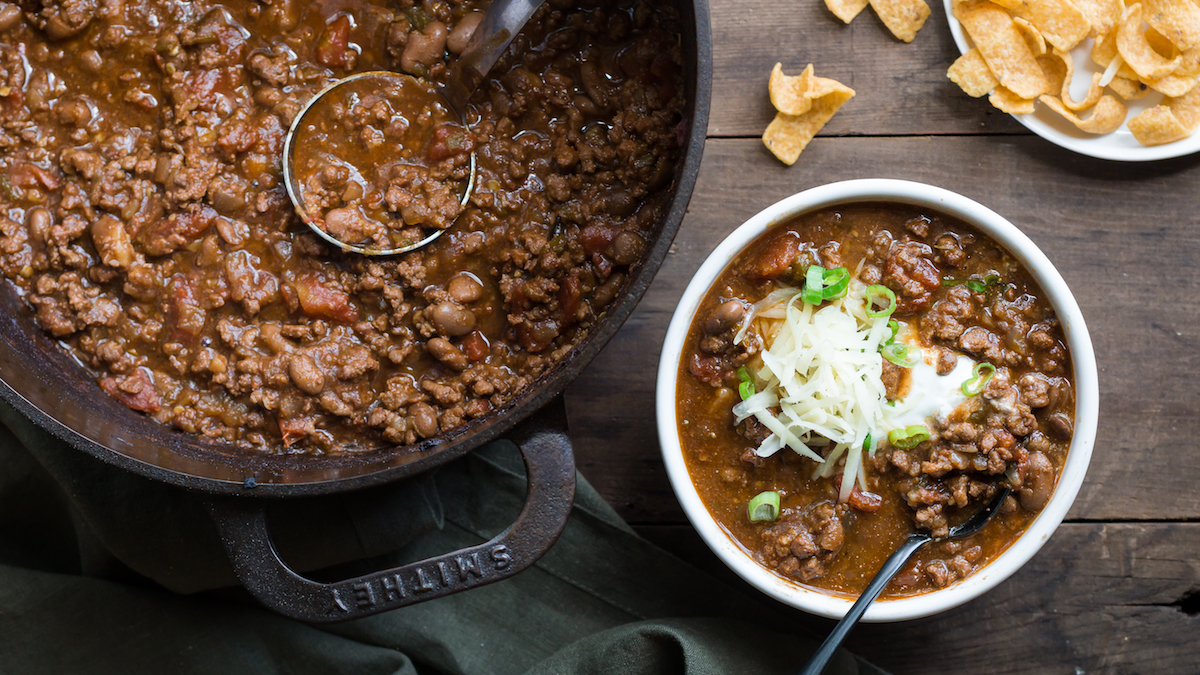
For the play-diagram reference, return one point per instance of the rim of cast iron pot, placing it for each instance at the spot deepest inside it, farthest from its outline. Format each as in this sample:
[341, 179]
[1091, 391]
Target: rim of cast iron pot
[179, 459]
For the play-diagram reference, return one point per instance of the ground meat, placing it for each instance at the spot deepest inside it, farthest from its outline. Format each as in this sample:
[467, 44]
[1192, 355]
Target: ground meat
[981, 342]
[800, 544]
[949, 248]
[947, 318]
[754, 431]
[919, 226]
[946, 360]
[894, 379]
[1035, 389]
[62, 19]
[910, 272]
[144, 218]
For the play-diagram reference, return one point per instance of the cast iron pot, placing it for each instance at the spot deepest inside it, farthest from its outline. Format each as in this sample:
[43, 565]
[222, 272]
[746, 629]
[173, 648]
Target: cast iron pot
[40, 379]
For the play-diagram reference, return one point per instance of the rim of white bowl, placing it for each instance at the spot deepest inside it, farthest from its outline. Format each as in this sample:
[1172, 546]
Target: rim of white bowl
[1078, 342]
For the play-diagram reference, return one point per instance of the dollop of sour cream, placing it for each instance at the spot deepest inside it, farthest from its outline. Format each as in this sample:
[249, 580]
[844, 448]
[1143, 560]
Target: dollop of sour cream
[928, 394]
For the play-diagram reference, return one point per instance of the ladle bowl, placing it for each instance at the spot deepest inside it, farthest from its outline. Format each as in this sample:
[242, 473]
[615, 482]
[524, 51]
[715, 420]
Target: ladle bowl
[502, 22]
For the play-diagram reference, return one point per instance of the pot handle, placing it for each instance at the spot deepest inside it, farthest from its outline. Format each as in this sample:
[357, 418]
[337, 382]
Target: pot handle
[546, 449]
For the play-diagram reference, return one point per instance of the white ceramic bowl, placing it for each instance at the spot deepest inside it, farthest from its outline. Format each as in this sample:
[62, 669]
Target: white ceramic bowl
[1086, 396]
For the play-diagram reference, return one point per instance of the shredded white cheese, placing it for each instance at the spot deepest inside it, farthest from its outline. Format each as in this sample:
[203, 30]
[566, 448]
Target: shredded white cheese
[822, 371]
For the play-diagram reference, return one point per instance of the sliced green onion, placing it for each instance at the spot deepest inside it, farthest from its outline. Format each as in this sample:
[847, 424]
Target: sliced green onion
[821, 284]
[746, 386]
[764, 506]
[836, 281]
[867, 443]
[814, 282]
[881, 293]
[894, 327]
[979, 379]
[897, 353]
[909, 437]
[974, 284]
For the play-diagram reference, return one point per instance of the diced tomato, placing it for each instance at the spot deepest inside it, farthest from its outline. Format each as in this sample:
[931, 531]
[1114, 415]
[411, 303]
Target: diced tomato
[135, 390]
[519, 300]
[568, 298]
[200, 88]
[295, 428]
[777, 257]
[538, 335]
[334, 43]
[318, 300]
[597, 237]
[449, 140]
[28, 175]
[603, 264]
[172, 233]
[867, 502]
[475, 346]
[707, 369]
[185, 316]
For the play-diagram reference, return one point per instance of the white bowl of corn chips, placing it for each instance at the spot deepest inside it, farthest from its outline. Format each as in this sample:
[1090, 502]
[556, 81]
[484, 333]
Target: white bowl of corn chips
[1097, 77]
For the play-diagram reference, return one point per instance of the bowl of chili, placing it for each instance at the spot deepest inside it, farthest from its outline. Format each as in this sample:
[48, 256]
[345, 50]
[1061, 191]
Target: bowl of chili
[916, 273]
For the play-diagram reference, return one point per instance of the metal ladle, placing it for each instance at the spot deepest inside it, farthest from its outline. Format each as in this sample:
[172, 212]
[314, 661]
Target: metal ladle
[890, 568]
[502, 22]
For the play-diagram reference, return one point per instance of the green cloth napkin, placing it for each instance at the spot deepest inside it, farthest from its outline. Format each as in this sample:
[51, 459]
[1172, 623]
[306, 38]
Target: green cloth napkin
[102, 571]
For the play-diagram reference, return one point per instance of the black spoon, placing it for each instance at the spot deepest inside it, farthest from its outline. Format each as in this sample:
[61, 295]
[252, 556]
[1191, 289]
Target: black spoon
[891, 566]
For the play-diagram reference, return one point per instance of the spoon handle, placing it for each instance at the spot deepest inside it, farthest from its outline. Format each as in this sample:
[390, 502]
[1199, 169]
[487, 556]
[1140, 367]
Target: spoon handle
[502, 23]
[891, 566]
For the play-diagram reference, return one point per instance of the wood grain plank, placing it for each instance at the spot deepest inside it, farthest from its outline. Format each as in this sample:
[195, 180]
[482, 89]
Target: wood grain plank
[1098, 598]
[1126, 237]
[901, 88]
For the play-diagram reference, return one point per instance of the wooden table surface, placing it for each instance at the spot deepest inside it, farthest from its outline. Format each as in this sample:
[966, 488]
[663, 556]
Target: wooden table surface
[1117, 588]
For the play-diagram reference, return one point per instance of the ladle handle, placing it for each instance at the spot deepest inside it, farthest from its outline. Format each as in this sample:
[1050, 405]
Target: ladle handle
[891, 566]
[503, 21]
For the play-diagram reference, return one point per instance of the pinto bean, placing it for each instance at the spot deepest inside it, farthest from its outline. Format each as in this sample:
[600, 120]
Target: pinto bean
[593, 83]
[445, 351]
[424, 48]
[1039, 482]
[39, 220]
[424, 419]
[10, 16]
[452, 318]
[724, 316]
[627, 247]
[465, 288]
[64, 24]
[606, 291]
[620, 203]
[306, 374]
[460, 37]
[92, 61]
[585, 105]
[1059, 425]
[112, 242]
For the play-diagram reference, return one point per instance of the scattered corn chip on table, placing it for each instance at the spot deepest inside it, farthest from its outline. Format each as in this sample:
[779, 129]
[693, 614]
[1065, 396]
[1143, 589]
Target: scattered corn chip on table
[1117, 588]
